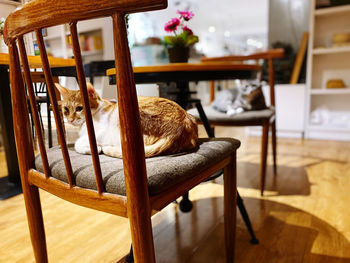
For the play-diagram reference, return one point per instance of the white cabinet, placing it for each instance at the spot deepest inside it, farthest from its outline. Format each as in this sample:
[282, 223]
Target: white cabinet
[290, 110]
[7, 6]
[94, 37]
[328, 110]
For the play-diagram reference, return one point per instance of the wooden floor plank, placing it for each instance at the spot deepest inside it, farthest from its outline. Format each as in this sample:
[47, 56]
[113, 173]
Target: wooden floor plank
[304, 216]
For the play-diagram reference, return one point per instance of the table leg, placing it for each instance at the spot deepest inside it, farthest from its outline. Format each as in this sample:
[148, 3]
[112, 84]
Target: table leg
[10, 185]
[183, 94]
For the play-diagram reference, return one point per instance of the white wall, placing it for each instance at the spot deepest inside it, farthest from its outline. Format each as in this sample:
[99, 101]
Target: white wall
[238, 20]
[288, 19]
[6, 8]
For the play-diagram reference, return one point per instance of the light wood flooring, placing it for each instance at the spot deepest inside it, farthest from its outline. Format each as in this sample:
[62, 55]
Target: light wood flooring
[303, 217]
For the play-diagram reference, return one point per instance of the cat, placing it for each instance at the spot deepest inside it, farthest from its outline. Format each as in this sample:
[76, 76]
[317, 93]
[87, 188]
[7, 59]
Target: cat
[248, 96]
[166, 127]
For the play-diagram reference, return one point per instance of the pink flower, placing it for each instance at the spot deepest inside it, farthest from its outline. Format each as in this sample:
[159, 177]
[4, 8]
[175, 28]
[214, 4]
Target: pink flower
[186, 15]
[172, 25]
[187, 29]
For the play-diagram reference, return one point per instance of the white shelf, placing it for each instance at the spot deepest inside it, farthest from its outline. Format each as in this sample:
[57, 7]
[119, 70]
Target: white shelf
[327, 62]
[332, 10]
[330, 50]
[54, 37]
[330, 91]
[86, 53]
[91, 53]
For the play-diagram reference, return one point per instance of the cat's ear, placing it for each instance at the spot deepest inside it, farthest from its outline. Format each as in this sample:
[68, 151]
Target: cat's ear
[62, 89]
[91, 91]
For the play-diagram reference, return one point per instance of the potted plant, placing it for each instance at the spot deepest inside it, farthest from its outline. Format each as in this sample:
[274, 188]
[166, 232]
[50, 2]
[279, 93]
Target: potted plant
[179, 43]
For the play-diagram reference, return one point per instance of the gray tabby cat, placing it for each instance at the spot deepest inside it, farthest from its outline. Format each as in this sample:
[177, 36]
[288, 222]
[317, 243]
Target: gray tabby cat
[246, 97]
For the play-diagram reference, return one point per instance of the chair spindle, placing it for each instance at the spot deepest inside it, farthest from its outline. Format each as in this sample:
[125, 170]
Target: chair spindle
[53, 98]
[34, 106]
[87, 110]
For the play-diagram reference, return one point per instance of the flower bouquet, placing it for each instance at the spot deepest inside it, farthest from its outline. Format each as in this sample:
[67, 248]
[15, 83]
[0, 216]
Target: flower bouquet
[179, 43]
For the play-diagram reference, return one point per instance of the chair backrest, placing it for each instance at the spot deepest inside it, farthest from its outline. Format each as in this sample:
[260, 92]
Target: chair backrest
[39, 14]
[269, 55]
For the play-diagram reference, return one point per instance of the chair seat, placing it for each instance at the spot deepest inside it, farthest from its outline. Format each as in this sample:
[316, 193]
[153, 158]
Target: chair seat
[163, 172]
[246, 116]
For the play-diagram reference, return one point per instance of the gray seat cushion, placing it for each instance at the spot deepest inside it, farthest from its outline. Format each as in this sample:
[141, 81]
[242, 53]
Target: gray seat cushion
[216, 116]
[162, 171]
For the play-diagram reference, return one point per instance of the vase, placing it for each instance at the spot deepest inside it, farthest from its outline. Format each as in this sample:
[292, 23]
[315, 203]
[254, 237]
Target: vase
[178, 54]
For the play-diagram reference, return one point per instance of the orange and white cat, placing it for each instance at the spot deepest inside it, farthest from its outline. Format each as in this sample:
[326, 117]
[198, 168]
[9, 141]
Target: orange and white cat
[166, 127]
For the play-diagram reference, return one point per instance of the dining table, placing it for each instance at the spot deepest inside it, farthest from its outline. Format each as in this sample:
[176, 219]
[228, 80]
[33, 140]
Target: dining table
[181, 74]
[10, 185]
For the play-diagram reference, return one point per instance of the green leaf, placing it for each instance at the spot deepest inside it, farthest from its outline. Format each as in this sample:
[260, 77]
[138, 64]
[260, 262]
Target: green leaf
[191, 40]
[182, 40]
[169, 40]
[176, 41]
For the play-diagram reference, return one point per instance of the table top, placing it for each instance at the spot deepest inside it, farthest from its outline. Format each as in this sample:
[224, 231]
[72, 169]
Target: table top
[186, 72]
[35, 61]
[201, 66]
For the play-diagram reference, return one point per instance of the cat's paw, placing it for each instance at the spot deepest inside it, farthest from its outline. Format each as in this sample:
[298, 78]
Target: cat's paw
[231, 112]
[82, 149]
[99, 149]
[239, 110]
[112, 151]
[86, 149]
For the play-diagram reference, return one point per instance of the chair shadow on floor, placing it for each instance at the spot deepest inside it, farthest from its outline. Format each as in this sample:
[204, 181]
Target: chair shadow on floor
[288, 181]
[286, 234]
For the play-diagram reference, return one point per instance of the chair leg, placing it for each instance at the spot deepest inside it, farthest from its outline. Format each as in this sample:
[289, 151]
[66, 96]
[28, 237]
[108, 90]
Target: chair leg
[264, 142]
[204, 119]
[274, 146]
[41, 118]
[35, 221]
[230, 201]
[32, 122]
[130, 257]
[185, 204]
[246, 220]
[49, 128]
[142, 238]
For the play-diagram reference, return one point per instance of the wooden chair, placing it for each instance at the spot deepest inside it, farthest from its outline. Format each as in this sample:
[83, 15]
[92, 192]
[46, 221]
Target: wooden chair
[42, 96]
[264, 118]
[118, 186]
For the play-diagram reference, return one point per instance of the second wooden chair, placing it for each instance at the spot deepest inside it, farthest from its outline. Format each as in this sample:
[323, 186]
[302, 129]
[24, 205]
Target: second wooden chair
[265, 118]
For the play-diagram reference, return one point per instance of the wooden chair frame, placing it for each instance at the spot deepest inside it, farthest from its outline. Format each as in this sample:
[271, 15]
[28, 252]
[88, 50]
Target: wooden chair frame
[137, 205]
[39, 78]
[269, 55]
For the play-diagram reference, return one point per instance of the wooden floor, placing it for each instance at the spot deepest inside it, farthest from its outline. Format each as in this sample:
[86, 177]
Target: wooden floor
[304, 216]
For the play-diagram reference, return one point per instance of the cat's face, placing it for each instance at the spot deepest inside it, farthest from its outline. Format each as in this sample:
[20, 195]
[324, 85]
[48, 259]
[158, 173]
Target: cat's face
[250, 91]
[72, 104]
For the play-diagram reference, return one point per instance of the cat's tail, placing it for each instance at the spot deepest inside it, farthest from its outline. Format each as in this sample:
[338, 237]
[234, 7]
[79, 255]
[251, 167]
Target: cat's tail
[183, 140]
[191, 132]
[160, 146]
